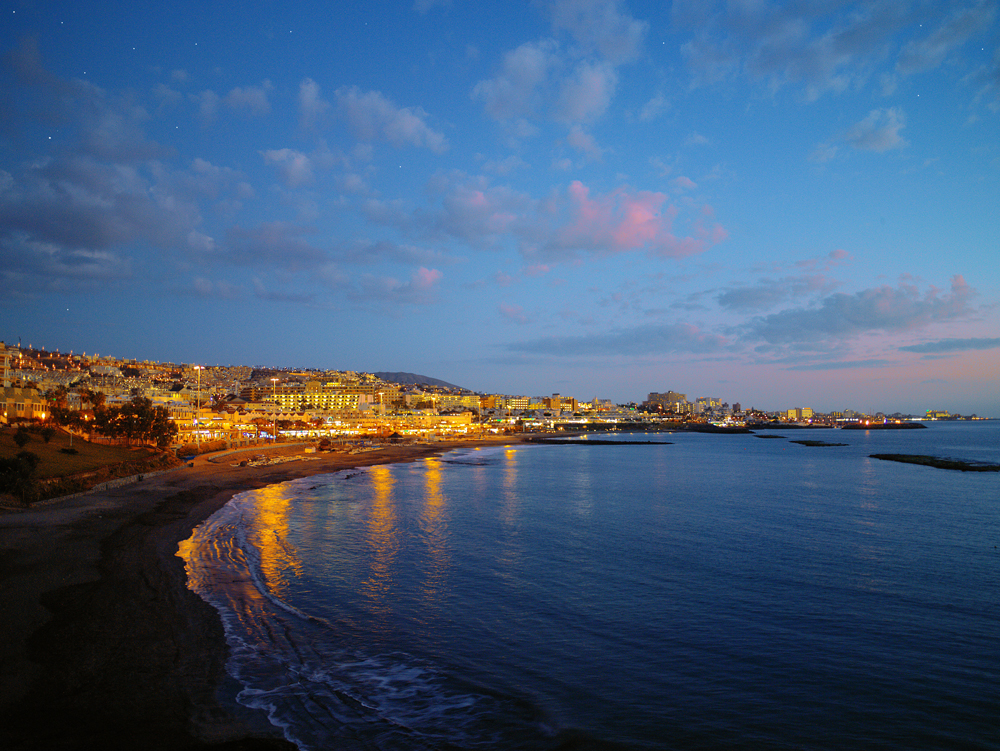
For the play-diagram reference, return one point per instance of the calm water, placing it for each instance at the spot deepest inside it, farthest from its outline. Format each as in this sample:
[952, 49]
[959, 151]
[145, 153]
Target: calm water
[723, 591]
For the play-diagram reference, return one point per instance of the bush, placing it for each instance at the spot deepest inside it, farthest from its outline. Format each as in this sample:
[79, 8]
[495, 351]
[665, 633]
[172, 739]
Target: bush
[21, 437]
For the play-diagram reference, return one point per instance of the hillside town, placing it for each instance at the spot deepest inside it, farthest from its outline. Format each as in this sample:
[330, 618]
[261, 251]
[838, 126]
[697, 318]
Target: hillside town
[238, 406]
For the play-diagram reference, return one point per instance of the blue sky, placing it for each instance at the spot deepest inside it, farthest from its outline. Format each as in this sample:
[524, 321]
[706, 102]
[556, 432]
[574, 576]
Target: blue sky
[781, 204]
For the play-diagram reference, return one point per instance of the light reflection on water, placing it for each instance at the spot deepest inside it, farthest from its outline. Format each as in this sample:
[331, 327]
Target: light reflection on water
[435, 530]
[383, 542]
[708, 592]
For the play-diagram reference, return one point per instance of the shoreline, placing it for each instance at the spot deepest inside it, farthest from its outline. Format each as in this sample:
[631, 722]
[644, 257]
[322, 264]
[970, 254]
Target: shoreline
[105, 646]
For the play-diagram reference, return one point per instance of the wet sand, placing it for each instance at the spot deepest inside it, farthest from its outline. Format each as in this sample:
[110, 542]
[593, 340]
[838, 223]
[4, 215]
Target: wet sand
[103, 646]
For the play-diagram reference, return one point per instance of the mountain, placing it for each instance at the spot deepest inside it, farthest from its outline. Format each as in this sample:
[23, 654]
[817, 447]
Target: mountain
[416, 380]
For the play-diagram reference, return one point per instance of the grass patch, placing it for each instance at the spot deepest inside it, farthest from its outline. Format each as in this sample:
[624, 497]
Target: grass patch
[89, 457]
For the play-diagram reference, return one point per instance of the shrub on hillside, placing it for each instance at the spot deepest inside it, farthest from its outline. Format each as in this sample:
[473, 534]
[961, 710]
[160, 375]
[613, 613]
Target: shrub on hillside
[21, 437]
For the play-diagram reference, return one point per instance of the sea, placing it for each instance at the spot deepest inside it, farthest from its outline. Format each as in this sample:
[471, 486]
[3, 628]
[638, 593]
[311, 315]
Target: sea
[699, 591]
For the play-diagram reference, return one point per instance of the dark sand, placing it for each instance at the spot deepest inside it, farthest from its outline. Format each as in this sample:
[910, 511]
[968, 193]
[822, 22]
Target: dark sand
[103, 645]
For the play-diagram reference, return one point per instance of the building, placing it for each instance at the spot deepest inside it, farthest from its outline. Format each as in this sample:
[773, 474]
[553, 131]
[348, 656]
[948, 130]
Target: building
[22, 403]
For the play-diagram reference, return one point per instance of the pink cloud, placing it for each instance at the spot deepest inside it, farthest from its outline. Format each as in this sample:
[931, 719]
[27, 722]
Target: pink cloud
[623, 221]
[536, 269]
[513, 313]
[425, 278]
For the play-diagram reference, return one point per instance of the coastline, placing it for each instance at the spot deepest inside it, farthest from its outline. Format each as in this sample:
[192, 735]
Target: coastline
[104, 645]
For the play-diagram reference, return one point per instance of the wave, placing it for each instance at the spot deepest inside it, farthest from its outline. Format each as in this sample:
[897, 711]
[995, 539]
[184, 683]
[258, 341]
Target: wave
[298, 668]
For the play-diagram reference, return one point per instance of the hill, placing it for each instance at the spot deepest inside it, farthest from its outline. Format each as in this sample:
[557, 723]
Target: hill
[416, 380]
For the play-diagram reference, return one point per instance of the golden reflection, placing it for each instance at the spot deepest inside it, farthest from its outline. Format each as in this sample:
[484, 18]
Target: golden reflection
[278, 559]
[434, 531]
[509, 549]
[383, 540]
[510, 486]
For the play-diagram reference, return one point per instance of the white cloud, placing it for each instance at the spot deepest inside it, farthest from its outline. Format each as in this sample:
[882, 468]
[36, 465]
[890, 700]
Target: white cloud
[600, 26]
[878, 132]
[372, 116]
[930, 52]
[586, 93]
[311, 106]
[295, 167]
[584, 142]
[251, 99]
[515, 91]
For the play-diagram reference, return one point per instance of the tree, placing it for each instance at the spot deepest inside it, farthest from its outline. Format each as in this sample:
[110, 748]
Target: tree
[94, 398]
[47, 432]
[21, 437]
[136, 420]
[15, 475]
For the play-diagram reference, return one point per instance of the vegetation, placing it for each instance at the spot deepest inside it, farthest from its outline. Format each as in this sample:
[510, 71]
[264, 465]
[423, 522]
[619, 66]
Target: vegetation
[16, 475]
[54, 468]
[136, 421]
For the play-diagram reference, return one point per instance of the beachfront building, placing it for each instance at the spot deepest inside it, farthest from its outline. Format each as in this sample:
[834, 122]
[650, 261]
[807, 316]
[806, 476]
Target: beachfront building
[22, 402]
[798, 414]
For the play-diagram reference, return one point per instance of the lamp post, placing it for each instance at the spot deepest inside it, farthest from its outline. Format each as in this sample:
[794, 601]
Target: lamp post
[274, 386]
[197, 433]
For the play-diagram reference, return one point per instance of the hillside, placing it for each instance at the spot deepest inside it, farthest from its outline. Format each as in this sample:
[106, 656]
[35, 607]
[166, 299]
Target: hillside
[416, 380]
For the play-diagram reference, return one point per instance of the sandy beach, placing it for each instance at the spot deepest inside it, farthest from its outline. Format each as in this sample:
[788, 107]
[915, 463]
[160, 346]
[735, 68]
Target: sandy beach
[104, 646]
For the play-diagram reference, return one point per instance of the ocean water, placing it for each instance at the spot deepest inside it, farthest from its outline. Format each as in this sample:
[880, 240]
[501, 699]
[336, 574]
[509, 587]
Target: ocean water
[723, 591]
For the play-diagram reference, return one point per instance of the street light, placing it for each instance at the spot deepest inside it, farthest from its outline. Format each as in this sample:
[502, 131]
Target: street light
[197, 433]
[274, 385]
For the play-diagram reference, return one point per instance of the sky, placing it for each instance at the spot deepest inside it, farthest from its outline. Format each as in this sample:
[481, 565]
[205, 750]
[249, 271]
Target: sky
[777, 204]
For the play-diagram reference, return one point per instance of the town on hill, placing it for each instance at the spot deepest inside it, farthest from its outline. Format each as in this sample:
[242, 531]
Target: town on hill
[190, 408]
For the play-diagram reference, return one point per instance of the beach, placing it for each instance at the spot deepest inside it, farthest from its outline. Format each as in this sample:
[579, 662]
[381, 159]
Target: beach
[104, 645]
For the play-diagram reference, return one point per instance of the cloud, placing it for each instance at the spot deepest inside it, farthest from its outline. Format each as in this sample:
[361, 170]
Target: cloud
[423, 6]
[584, 142]
[272, 243]
[586, 93]
[696, 139]
[311, 105]
[570, 84]
[844, 365]
[818, 47]
[878, 132]
[843, 316]
[250, 99]
[651, 109]
[651, 340]
[478, 213]
[952, 345]
[613, 223]
[600, 27]
[767, 293]
[27, 266]
[262, 293]
[516, 90]
[565, 226]
[208, 106]
[372, 117]
[420, 289]
[295, 167]
[929, 52]
[505, 166]
[80, 203]
[369, 253]
[513, 313]
[203, 287]
[987, 77]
